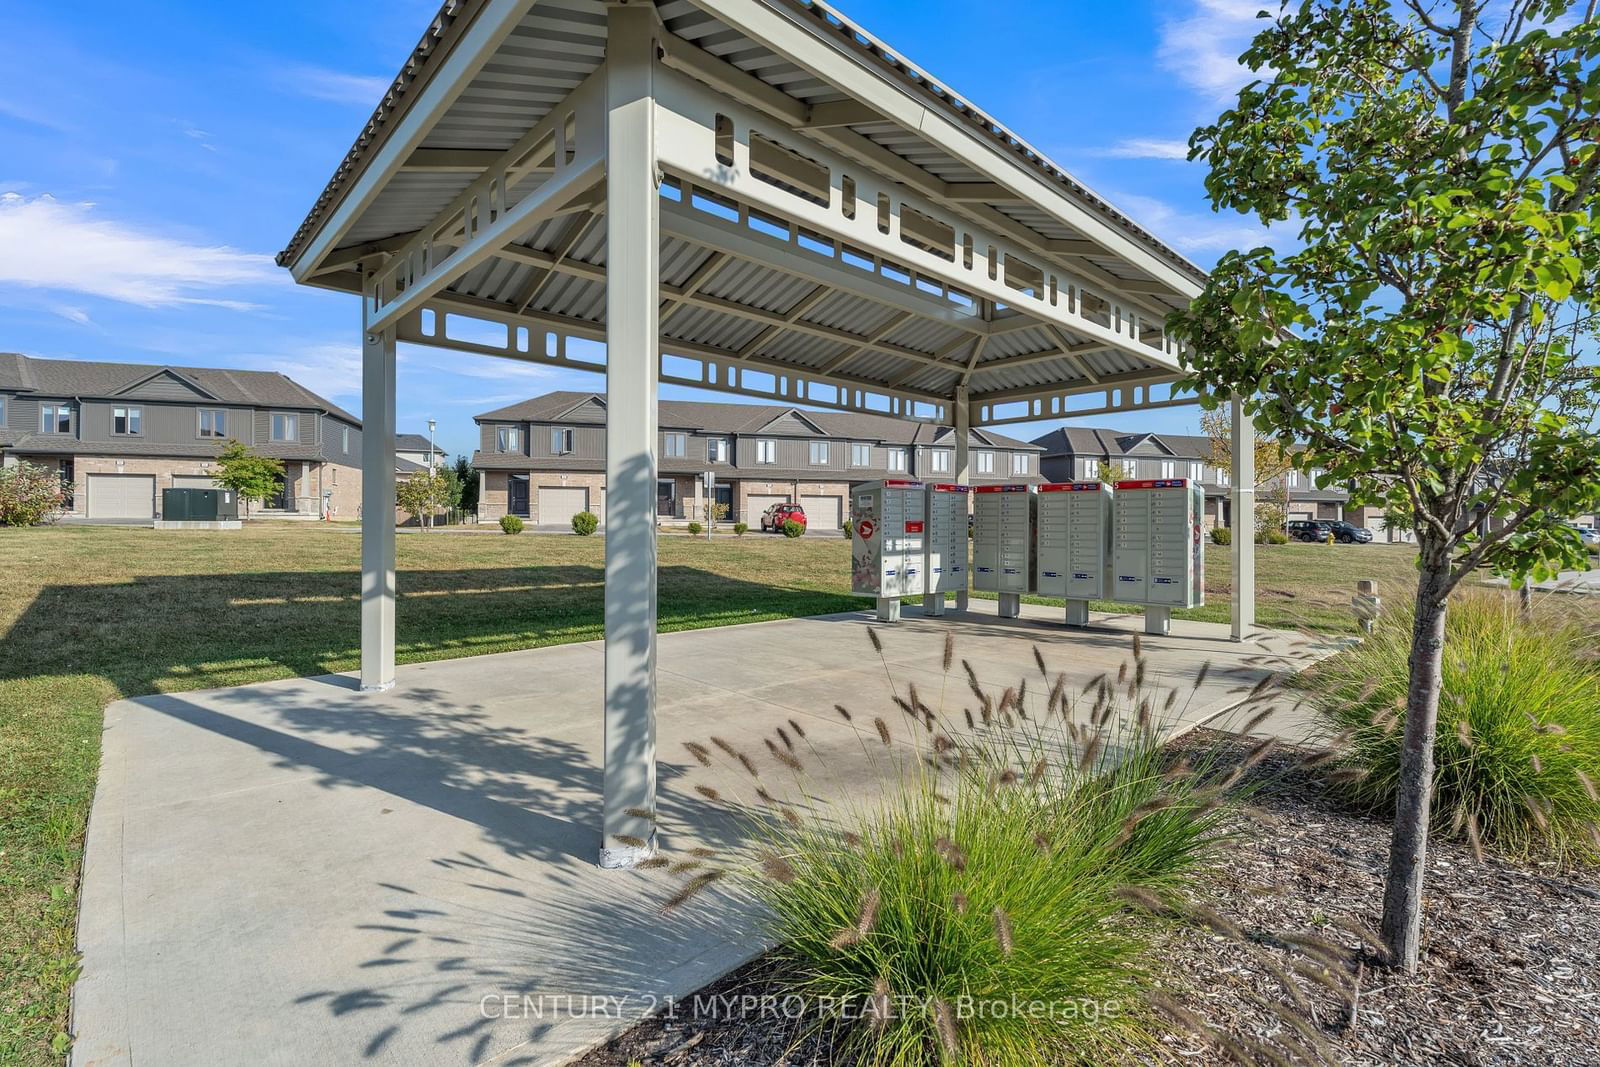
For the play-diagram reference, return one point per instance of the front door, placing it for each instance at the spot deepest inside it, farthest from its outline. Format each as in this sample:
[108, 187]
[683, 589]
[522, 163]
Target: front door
[723, 494]
[517, 498]
[666, 498]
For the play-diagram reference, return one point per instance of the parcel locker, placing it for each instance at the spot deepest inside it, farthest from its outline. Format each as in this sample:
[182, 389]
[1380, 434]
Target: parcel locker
[1074, 545]
[888, 542]
[945, 570]
[1003, 543]
[1158, 553]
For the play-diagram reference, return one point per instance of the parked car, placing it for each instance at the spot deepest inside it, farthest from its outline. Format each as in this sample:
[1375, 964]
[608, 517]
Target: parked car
[1309, 530]
[1348, 533]
[1588, 534]
[773, 518]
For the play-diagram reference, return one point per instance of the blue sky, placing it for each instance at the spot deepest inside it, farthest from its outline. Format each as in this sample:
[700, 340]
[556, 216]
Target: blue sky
[153, 158]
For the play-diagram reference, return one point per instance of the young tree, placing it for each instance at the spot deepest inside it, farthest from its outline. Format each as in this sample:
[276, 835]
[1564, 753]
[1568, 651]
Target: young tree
[1112, 472]
[1273, 464]
[422, 495]
[469, 484]
[1425, 342]
[252, 476]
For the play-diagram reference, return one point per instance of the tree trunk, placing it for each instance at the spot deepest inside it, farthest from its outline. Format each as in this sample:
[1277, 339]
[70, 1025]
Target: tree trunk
[1408, 849]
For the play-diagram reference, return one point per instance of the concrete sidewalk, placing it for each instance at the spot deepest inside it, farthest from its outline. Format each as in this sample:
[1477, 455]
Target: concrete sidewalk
[299, 873]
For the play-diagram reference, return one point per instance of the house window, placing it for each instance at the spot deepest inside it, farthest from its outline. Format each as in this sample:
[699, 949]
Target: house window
[213, 422]
[766, 451]
[716, 449]
[1224, 476]
[895, 459]
[940, 458]
[1194, 471]
[1294, 479]
[126, 421]
[509, 439]
[1088, 468]
[1019, 463]
[2, 411]
[985, 462]
[819, 452]
[860, 455]
[675, 445]
[55, 418]
[344, 438]
[285, 427]
[560, 440]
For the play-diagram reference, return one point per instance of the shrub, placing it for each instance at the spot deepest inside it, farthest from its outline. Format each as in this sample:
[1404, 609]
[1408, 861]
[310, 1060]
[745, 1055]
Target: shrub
[739, 528]
[585, 523]
[1517, 756]
[848, 527]
[1221, 535]
[510, 524]
[1003, 876]
[792, 528]
[1271, 537]
[30, 494]
[696, 528]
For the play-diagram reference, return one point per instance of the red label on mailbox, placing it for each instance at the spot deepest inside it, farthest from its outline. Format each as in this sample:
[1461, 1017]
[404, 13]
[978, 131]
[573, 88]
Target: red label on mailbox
[914, 527]
[864, 529]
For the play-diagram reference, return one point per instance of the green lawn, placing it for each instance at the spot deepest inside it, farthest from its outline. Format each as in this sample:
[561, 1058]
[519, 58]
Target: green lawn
[93, 614]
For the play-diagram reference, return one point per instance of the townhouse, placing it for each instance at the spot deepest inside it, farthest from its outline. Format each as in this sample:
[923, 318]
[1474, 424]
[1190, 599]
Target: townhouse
[544, 458]
[120, 433]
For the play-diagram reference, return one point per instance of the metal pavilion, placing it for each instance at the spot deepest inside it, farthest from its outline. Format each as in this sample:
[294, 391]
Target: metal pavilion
[751, 196]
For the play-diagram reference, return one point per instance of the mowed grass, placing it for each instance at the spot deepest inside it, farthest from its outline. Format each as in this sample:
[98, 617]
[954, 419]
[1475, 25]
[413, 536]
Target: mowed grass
[94, 614]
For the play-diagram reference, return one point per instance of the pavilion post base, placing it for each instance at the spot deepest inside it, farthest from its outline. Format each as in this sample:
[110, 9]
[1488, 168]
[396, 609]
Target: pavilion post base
[888, 609]
[1010, 605]
[961, 600]
[1077, 613]
[933, 603]
[1157, 621]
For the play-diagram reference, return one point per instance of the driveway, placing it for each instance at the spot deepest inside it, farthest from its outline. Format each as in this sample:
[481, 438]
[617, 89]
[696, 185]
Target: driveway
[299, 873]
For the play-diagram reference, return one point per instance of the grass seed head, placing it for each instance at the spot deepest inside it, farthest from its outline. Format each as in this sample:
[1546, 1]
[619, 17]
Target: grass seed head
[708, 792]
[843, 712]
[690, 890]
[1038, 658]
[945, 1021]
[882, 727]
[777, 868]
[640, 813]
[949, 650]
[877, 642]
[1002, 931]
[701, 754]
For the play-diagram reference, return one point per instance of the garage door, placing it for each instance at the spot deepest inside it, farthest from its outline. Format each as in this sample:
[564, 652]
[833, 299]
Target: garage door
[823, 512]
[756, 504]
[557, 504]
[194, 481]
[122, 496]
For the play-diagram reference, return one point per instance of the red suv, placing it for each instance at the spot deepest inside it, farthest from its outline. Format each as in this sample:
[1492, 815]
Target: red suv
[774, 517]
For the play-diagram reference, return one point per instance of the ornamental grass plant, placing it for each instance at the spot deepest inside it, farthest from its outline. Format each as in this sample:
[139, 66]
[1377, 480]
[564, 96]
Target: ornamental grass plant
[1517, 757]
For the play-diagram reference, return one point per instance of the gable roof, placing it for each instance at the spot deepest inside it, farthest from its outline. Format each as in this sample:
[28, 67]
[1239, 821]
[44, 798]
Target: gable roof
[1103, 441]
[412, 442]
[718, 417]
[98, 379]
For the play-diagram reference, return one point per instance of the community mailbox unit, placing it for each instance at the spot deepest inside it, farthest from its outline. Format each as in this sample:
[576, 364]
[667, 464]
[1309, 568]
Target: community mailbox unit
[1002, 543]
[1074, 546]
[888, 536]
[1158, 555]
[948, 543]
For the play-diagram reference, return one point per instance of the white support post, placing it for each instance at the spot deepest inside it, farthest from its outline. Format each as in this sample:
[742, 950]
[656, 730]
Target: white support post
[963, 428]
[632, 378]
[1243, 521]
[483, 483]
[377, 510]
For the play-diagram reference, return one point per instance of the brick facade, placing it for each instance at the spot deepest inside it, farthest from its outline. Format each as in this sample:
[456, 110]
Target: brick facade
[344, 482]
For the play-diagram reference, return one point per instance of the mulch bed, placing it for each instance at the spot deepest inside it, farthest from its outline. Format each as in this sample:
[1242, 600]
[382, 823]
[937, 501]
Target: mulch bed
[1510, 972]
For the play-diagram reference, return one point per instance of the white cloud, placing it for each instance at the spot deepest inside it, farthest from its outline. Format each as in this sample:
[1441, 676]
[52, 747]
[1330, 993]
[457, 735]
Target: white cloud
[1146, 148]
[1193, 231]
[50, 244]
[335, 86]
[1202, 47]
[327, 368]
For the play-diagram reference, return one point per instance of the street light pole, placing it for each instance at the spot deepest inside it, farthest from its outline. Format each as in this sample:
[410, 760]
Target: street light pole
[433, 459]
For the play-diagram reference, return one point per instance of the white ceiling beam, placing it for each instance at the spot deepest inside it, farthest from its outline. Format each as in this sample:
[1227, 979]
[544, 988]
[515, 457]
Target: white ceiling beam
[451, 160]
[492, 24]
[979, 193]
[839, 113]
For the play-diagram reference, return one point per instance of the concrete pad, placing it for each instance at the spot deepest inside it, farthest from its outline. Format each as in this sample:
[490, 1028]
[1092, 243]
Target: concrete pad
[297, 872]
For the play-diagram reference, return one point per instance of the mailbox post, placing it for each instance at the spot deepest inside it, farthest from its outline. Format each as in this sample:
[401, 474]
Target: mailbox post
[946, 568]
[1158, 554]
[888, 535]
[1074, 553]
[1003, 537]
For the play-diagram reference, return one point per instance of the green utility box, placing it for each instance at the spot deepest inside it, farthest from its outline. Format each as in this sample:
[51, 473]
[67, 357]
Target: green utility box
[199, 505]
